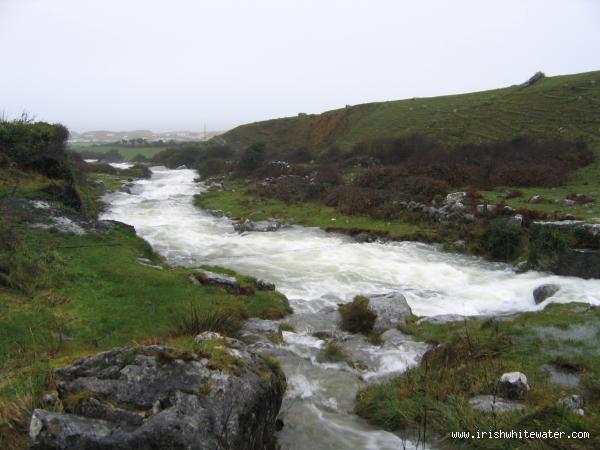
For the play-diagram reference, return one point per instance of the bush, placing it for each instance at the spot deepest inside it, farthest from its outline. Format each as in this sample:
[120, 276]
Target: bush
[226, 321]
[332, 352]
[251, 158]
[502, 240]
[357, 317]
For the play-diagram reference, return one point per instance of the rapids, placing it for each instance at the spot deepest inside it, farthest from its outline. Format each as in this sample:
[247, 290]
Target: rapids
[316, 270]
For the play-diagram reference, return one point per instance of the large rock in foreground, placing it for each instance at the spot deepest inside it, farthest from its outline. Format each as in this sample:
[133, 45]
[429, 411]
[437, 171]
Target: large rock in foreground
[157, 397]
[392, 309]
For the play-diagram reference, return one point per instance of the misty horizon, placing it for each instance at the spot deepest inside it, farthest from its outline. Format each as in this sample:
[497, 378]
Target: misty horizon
[185, 65]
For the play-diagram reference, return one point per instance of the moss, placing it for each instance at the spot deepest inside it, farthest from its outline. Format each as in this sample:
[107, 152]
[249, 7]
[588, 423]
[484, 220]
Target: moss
[334, 353]
[286, 326]
[356, 316]
[72, 401]
[275, 338]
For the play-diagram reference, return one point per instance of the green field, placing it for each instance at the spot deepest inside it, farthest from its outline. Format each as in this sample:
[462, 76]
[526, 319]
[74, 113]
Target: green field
[126, 151]
[563, 106]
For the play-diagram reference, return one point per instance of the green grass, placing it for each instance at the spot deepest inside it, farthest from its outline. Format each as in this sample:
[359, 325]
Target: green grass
[237, 203]
[126, 152]
[106, 300]
[469, 359]
[561, 106]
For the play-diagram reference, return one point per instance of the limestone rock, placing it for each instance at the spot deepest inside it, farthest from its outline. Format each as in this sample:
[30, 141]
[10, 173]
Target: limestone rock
[161, 398]
[512, 386]
[392, 309]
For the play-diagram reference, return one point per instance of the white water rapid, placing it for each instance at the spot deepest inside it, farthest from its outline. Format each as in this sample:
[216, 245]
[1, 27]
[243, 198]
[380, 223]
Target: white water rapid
[316, 270]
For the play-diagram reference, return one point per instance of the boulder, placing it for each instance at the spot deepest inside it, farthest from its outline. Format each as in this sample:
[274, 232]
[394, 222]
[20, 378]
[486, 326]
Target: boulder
[261, 226]
[361, 238]
[512, 386]
[490, 404]
[392, 309]
[573, 403]
[544, 291]
[182, 167]
[159, 397]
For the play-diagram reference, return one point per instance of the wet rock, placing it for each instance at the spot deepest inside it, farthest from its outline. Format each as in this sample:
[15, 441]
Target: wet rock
[182, 167]
[522, 267]
[159, 397]
[215, 279]
[442, 318]
[491, 404]
[261, 226]
[516, 220]
[573, 403]
[392, 309]
[583, 263]
[259, 331]
[263, 285]
[361, 238]
[319, 324]
[512, 386]
[544, 291]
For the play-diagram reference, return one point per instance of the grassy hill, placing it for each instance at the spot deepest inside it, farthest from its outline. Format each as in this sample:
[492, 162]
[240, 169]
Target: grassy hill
[562, 106]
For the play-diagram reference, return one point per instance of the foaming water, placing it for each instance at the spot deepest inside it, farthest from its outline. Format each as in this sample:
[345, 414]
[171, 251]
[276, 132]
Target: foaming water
[316, 270]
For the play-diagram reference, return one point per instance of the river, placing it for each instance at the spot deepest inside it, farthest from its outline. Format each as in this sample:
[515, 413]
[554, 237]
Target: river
[316, 271]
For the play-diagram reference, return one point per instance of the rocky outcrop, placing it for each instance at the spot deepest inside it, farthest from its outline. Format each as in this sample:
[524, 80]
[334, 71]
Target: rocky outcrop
[578, 262]
[512, 386]
[157, 397]
[392, 309]
[261, 226]
[543, 292]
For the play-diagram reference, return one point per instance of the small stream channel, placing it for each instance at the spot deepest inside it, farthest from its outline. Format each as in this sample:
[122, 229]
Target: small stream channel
[316, 271]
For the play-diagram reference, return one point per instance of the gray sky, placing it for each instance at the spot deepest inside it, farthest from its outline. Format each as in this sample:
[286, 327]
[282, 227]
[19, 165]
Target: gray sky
[177, 64]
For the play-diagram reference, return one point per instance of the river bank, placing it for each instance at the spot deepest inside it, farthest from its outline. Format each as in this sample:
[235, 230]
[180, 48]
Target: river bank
[318, 270]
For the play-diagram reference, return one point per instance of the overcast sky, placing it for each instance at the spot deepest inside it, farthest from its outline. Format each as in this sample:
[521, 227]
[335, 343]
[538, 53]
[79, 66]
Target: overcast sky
[178, 64]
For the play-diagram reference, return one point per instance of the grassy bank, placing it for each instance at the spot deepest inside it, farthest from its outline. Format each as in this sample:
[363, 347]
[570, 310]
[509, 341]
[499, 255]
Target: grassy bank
[63, 296]
[467, 360]
[236, 202]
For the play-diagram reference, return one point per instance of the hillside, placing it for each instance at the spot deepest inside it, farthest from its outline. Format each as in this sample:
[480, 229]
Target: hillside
[567, 106]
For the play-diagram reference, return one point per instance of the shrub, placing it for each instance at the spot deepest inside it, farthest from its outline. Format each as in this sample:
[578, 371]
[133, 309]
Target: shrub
[502, 240]
[226, 321]
[332, 352]
[356, 316]
[251, 158]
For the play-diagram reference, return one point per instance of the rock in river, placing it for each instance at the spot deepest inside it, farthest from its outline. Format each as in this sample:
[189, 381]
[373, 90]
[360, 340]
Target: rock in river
[544, 291]
[392, 309]
[157, 397]
[260, 226]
